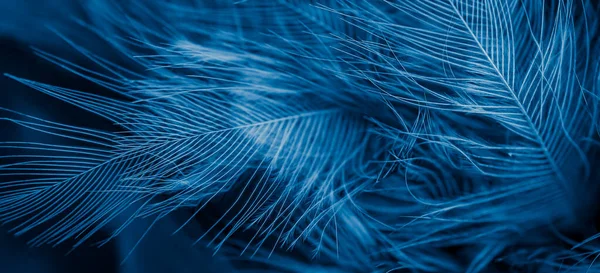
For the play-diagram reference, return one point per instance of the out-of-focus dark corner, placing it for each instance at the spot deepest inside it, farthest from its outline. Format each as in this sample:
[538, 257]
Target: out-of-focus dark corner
[22, 28]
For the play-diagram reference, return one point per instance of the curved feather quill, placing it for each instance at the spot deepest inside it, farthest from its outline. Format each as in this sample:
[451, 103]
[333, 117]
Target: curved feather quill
[519, 64]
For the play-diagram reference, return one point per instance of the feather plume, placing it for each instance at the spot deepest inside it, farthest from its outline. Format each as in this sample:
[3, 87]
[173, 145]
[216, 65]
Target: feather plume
[511, 95]
[368, 136]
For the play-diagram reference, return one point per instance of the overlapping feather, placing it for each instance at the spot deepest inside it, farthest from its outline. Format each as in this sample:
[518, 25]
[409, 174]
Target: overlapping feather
[394, 129]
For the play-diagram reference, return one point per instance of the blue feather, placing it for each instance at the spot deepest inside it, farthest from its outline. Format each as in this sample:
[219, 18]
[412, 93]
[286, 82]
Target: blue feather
[516, 68]
[195, 136]
[367, 136]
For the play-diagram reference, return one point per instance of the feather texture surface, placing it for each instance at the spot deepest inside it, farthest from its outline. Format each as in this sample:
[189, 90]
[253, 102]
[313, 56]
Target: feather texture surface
[333, 136]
